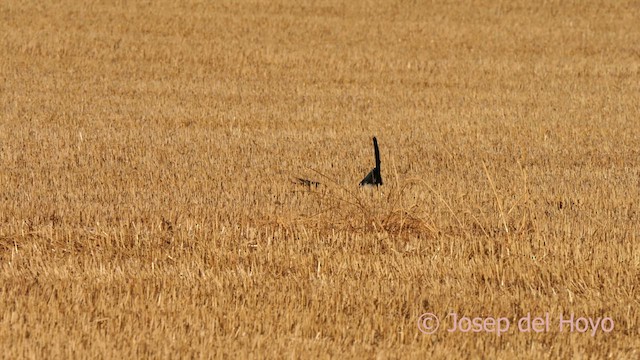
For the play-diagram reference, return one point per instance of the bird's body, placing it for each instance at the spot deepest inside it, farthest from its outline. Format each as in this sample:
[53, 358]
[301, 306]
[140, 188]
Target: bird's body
[374, 177]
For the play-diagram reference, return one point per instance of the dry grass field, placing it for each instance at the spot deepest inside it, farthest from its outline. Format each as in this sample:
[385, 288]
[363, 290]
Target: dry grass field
[148, 152]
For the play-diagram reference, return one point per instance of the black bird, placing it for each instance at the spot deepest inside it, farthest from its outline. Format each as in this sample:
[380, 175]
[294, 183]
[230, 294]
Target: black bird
[374, 177]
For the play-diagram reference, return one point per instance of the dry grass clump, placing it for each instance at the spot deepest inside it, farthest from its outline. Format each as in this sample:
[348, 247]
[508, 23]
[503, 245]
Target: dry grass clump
[147, 151]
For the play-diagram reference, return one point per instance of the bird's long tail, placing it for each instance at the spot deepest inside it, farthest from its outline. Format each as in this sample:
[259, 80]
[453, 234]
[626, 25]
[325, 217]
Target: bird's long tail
[377, 152]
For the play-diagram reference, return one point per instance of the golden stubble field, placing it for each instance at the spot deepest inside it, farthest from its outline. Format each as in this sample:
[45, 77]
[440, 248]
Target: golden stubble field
[147, 152]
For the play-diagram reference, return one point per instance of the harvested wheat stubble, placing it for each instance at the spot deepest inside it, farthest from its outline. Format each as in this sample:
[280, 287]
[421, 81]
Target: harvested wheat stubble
[147, 151]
